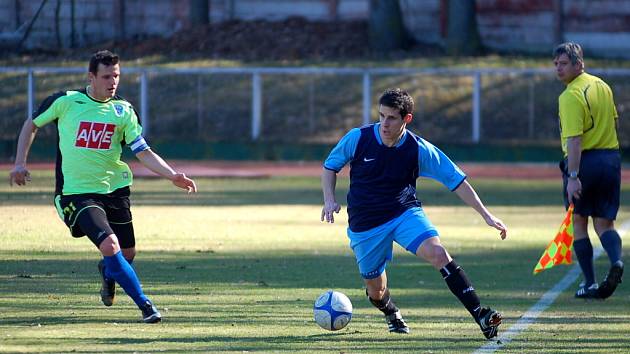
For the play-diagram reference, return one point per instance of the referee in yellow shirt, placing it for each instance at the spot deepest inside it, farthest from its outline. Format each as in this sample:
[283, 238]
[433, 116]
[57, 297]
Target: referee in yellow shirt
[591, 168]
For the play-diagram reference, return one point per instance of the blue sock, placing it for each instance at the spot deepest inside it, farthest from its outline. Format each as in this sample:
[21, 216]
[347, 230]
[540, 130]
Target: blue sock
[108, 276]
[612, 244]
[120, 270]
[584, 252]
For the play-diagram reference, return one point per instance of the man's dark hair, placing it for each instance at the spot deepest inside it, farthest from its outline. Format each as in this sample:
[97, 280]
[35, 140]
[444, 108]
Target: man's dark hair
[572, 50]
[104, 57]
[399, 99]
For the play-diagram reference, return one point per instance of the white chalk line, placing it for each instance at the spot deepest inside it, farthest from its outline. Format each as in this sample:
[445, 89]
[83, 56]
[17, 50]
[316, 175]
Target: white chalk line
[545, 301]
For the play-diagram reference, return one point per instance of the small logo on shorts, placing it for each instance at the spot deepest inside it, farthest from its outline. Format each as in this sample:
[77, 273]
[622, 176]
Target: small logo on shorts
[69, 209]
[365, 159]
[125, 175]
[371, 274]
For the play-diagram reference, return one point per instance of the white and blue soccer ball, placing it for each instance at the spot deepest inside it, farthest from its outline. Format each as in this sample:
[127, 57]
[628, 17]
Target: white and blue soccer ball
[332, 310]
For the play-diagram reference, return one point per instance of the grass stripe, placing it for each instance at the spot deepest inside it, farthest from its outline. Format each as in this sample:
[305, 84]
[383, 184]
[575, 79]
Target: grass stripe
[530, 316]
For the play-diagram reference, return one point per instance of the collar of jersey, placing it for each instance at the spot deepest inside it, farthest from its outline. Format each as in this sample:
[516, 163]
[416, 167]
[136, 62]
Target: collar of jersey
[576, 80]
[94, 99]
[378, 136]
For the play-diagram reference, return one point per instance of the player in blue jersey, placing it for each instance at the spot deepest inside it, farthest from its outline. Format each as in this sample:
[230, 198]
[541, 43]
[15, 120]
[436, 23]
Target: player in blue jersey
[385, 161]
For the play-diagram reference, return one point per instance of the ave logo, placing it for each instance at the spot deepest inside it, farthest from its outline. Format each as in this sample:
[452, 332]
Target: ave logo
[93, 135]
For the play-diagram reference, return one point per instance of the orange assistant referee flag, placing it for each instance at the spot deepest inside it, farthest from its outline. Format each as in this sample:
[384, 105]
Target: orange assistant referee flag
[559, 249]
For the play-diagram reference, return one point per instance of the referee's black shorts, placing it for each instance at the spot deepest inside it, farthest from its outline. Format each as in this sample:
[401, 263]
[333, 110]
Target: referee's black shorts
[98, 216]
[600, 175]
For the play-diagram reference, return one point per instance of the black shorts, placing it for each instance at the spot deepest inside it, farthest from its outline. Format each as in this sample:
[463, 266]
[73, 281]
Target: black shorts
[98, 216]
[600, 175]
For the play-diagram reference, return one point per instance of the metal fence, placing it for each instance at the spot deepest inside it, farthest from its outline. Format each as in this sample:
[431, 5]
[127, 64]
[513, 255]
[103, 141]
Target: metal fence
[318, 105]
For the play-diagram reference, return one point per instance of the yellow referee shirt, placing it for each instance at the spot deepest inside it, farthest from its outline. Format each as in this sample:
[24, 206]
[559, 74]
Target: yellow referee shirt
[587, 109]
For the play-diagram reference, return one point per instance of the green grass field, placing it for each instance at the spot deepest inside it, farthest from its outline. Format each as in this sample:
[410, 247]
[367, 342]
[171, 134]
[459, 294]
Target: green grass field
[236, 268]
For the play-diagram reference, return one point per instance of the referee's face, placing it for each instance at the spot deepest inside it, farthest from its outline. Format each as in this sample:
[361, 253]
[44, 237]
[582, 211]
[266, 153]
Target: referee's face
[565, 70]
[105, 83]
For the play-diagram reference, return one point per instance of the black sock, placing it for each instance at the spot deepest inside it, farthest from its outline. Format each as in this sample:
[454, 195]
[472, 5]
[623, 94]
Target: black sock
[584, 252]
[460, 286]
[386, 305]
[612, 244]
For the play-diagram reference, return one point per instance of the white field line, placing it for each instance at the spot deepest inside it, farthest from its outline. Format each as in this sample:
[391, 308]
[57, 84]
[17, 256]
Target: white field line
[545, 301]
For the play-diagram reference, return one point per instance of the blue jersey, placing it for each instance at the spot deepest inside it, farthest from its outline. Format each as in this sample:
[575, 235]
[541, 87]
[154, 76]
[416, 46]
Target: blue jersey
[382, 178]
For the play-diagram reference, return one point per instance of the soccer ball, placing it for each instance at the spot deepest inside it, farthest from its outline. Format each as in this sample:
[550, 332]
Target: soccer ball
[332, 310]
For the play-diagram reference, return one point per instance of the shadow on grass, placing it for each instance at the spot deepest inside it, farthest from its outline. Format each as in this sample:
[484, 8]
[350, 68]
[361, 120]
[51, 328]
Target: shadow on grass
[265, 290]
[293, 276]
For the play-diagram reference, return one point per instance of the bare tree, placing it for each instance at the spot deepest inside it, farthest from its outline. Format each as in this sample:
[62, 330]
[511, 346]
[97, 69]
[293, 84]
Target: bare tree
[463, 34]
[199, 10]
[386, 29]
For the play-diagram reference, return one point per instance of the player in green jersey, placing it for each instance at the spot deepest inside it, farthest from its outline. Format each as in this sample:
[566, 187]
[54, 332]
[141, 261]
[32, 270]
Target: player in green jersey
[92, 182]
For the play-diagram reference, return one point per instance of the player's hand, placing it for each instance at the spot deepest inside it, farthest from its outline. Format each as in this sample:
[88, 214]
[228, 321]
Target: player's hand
[328, 211]
[495, 222]
[574, 189]
[180, 180]
[19, 175]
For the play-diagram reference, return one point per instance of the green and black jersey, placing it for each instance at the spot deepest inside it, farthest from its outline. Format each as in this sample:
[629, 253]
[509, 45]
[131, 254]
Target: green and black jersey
[91, 134]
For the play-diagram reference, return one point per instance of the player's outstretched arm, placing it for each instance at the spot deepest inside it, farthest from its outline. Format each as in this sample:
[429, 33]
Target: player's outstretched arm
[155, 163]
[466, 193]
[329, 182]
[20, 174]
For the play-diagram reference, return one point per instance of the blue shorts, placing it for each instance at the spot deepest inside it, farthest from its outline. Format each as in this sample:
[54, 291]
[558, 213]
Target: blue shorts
[373, 248]
[600, 175]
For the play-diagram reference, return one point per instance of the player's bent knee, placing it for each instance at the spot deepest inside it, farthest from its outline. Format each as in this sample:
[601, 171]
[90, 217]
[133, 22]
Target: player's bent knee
[109, 246]
[435, 254]
[376, 288]
[129, 253]
[376, 294]
[440, 258]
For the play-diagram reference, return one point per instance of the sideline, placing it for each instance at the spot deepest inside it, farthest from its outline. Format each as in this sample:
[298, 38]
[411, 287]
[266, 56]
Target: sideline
[545, 301]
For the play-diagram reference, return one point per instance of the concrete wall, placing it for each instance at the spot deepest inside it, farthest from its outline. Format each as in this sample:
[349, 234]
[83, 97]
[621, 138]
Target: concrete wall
[507, 25]
[97, 20]
[517, 25]
[602, 26]
[320, 10]
[424, 20]
[534, 26]
[94, 20]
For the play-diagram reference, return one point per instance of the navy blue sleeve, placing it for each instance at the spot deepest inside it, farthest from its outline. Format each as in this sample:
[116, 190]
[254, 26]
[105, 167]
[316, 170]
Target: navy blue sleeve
[343, 151]
[433, 163]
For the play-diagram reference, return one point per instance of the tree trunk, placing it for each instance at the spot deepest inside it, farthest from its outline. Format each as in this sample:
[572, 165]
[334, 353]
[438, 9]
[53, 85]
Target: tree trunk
[463, 35]
[199, 10]
[121, 21]
[386, 28]
[558, 19]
